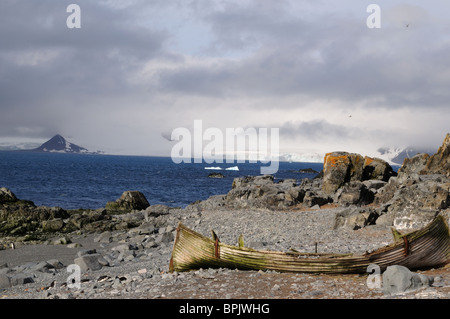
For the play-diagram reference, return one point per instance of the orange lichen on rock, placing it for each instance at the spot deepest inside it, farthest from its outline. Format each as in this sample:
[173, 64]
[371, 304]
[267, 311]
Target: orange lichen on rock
[343, 167]
[333, 161]
[367, 160]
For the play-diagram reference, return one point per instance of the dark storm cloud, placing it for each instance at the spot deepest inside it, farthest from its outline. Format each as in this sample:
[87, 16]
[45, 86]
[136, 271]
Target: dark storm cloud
[330, 57]
[243, 25]
[47, 69]
[42, 24]
[317, 130]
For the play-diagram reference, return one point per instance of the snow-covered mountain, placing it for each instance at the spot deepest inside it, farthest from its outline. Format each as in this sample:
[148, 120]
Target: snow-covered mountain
[396, 155]
[389, 153]
[58, 144]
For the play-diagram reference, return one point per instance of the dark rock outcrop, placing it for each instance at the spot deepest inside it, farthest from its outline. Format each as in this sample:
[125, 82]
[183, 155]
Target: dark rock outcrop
[414, 165]
[129, 200]
[23, 218]
[6, 196]
[19, 217]
[307, 171]
[216, 175]
[355, 193]
[419, 193]
[423, 164]
[439, 163]
[259, 192]
[415, 203]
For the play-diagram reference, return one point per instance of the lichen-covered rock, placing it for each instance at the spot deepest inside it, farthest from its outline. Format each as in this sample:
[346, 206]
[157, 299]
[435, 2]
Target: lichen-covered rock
[342, 167]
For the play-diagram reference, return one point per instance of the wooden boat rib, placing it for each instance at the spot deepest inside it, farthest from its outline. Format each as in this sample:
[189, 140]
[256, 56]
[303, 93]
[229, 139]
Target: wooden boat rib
[424, 248]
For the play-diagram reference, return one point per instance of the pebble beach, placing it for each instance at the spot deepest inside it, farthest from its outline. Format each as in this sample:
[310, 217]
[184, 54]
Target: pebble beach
[136, 261]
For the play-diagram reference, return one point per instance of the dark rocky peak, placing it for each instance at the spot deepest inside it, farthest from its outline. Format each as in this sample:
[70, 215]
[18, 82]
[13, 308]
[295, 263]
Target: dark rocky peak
[59, 144]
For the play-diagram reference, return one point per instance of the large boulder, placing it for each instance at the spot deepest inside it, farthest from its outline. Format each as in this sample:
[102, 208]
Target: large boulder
[52, 225]
[89, 262]
[342, 167]
[399, 279]
[254, 192]
[129, 200]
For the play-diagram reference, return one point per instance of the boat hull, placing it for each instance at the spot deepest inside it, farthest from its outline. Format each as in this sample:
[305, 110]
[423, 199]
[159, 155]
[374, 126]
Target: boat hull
[425, 248]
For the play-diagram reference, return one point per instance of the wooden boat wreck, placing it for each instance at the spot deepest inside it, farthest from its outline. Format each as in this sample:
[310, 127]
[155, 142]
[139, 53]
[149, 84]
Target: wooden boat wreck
[424, 248]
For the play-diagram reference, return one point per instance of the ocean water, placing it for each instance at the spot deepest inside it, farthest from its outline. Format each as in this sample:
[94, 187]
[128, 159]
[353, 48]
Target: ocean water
[73, 181]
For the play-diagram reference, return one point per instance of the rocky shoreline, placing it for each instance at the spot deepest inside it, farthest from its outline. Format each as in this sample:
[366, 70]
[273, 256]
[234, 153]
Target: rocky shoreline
[123, 250]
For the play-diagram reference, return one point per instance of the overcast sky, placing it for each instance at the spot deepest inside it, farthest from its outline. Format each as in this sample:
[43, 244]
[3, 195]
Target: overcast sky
[136, 70]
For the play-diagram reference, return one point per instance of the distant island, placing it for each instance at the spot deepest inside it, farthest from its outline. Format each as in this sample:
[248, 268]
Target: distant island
[308, 170]
[58, 144]
[305, 171]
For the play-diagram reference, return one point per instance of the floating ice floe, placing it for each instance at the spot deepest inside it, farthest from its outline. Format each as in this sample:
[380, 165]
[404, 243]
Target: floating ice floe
[217, 168]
